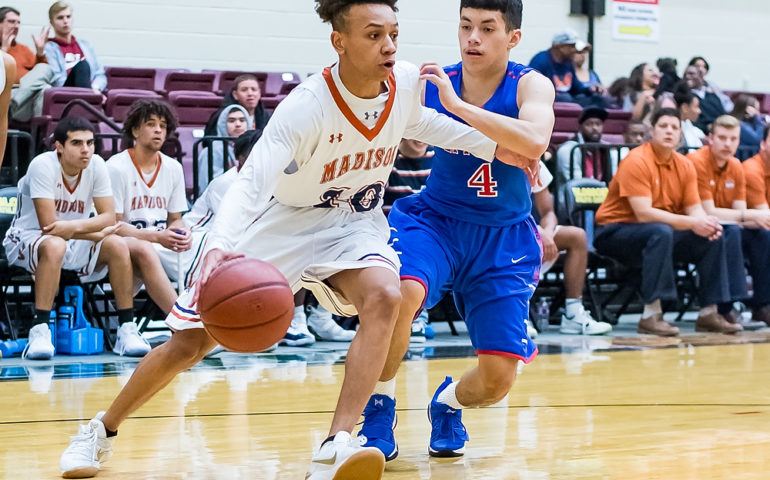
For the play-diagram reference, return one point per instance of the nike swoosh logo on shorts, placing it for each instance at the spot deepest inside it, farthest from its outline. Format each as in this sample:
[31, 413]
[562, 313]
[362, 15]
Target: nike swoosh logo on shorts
[518, 260]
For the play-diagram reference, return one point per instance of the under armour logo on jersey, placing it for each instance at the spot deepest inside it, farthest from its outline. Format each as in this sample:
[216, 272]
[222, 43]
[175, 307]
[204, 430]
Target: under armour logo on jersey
[337, 138]
[374, 114]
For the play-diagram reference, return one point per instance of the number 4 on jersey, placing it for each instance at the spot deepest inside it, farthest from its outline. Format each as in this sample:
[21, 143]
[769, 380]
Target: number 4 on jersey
[482, 179]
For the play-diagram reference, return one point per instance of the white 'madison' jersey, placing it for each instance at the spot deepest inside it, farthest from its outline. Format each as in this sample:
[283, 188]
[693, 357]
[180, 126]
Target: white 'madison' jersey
[202, 214]
[73, 198]
[326, 148]
[145, 200]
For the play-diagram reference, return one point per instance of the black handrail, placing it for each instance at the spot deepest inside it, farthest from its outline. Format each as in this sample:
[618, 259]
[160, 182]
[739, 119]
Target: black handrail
[91, 109]
[209, 141]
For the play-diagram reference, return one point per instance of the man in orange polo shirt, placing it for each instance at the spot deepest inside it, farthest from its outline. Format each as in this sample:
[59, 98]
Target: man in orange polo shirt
[653, 217]
[722, 190]
[756, 241]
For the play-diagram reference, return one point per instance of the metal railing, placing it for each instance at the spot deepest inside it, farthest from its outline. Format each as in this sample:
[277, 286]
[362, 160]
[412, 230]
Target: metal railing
[209, 143]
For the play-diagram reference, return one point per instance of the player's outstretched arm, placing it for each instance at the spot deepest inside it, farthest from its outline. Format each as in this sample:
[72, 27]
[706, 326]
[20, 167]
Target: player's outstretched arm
[529, 135]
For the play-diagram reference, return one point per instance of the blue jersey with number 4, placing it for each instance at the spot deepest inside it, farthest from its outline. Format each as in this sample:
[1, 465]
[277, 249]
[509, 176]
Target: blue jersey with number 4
[468, 188]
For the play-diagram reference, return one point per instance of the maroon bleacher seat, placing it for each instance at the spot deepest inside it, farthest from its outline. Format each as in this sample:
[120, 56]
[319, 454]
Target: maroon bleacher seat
[271, 102]
[613, 138]
[178, 81]
[194, 109]
[55, 100]
[119, 102]
[130, 78]
[187, 138]
[276, 81]
[567, 115]
[160, 77]
[617, 122]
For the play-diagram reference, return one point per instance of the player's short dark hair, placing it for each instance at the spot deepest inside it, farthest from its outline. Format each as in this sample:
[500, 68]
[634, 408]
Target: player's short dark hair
[511, 10]
[71, 124]
[683, 95]
[335, 11]
[664, 112]
[142, 110]
[695, 59]
[245, 142]
[6, 10]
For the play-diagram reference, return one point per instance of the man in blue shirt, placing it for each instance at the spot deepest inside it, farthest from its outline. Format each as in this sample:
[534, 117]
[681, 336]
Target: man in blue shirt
[556, 64]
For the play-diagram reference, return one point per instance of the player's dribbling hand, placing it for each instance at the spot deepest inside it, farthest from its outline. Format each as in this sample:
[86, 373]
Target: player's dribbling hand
[531, 166]
[436, 75]
[211, 260]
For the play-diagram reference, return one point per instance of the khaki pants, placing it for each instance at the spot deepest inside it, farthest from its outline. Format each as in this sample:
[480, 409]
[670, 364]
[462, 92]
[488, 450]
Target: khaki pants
[27, 98]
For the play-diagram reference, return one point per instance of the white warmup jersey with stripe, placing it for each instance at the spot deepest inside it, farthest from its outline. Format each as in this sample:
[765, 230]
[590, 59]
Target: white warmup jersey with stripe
[145, 200]
[73, 200]
[202, 213]
[325, 156]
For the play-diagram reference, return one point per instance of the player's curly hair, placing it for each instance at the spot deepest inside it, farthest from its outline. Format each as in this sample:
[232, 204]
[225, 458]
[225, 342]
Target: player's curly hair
[142, 110]
[334, 11]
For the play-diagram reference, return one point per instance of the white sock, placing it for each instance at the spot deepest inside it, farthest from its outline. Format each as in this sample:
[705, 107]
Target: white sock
[707, 310]
[448, 397]
[299, 310]
[651, 309]
[573, 306]
[386, 388]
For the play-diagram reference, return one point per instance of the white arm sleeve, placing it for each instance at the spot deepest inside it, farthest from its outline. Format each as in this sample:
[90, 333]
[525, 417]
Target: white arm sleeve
[102, 183]
[178, 200]
[295, 124]
[433, 128]
[118, 187]
[42, 176]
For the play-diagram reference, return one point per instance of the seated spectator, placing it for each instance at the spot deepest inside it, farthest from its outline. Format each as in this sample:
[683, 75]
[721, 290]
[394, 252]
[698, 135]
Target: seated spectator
[33, 75]
[246, 93]
[636, 134]
[599, 162]
[73, 61]
[710, 104]
[652, 217]
[587, 77]
[556, 64]
[669, 79]
[54, 229]
[752, 125]
[410, 172]
[556, 238]
[149, 201]
[756, 238]
[704, 67]
[616, 93]
[688, 105]
[722, 190]
[642, 85]
[7, 72]
[233, 122]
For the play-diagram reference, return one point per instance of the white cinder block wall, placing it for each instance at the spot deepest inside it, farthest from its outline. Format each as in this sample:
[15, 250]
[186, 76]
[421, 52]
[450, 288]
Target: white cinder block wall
[286, 35]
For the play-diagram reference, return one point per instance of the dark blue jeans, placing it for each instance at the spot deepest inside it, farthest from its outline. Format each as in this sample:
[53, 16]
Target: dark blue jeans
[756, 247]
[655, 247]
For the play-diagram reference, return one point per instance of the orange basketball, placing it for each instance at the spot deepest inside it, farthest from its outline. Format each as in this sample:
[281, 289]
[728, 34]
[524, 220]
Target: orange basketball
[246, 305]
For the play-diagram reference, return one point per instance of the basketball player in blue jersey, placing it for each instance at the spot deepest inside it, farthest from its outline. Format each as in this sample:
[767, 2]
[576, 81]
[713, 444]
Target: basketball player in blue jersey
[470, 230]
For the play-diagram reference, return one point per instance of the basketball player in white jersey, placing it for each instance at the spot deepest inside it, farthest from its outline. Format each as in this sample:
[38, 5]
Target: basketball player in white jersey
[7, 77]
[150, 198]
[52, 229]
[325, 156]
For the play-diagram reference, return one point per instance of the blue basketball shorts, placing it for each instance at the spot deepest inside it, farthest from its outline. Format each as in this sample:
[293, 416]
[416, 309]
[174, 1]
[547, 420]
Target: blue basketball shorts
[491, 271]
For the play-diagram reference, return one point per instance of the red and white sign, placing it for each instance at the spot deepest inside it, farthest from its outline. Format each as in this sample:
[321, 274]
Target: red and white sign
[637, 20]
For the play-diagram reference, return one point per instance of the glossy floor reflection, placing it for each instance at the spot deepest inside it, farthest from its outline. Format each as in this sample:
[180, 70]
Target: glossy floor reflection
[676, 413]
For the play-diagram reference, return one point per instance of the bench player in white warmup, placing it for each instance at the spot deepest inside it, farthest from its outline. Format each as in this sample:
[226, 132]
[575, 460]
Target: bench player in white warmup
[325, 156]
[149, 201]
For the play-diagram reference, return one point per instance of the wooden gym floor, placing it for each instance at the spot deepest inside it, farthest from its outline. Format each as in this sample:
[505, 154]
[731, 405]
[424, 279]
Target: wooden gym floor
[625, 407]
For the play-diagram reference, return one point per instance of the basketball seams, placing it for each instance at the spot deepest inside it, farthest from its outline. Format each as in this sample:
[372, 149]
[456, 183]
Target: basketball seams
[236, 293]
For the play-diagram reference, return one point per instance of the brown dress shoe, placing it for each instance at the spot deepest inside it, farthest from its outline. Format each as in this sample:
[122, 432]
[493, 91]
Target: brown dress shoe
[714, 322]
[761, 314]
[655, 325]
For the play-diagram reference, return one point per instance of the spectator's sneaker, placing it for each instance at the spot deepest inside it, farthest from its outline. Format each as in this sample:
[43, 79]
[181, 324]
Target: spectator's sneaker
[531, 331]
[448, 435]
[87, 450]
[379, 423]
[321, 323]
[344, 458]
[583, 324]
[39, 346]
[130, 343]
[298, 335]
